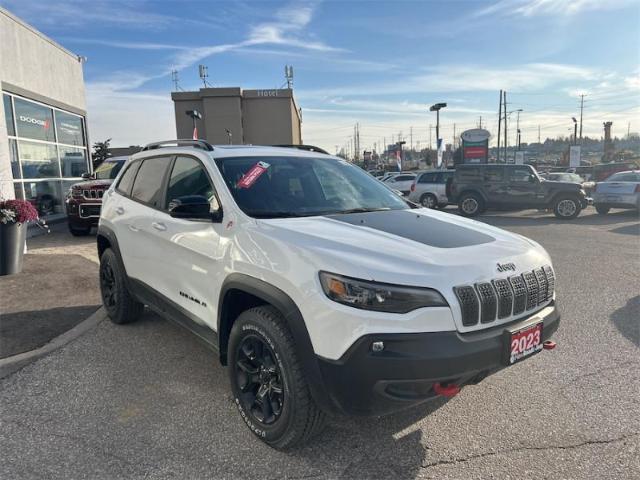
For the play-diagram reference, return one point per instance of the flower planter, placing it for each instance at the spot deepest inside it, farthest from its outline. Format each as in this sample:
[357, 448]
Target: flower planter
[12, 241]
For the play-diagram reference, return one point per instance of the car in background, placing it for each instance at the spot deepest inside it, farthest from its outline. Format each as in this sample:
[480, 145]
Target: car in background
[620, 190]
[376, 173]
[587, 186]
[478, 187]
[429, 188]
[401, 182]
[388, 175]
[84, 199]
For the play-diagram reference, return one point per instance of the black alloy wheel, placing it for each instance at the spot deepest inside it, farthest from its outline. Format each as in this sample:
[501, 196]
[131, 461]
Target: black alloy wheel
[108, 286]
[259, 380]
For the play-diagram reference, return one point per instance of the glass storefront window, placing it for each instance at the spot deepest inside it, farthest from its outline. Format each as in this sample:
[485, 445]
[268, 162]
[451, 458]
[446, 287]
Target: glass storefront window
[8, 115]
[34, 121]
[69, 127]
[13, 157]
[45, 196]
[38, 160]
[73, 161]
[17, 186]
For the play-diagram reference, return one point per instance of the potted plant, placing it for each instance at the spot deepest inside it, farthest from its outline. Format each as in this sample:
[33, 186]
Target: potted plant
[14, 216]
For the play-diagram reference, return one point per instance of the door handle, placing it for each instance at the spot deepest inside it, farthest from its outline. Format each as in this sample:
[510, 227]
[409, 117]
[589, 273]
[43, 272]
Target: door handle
[159, 226]
[119, 210]
[133, 228]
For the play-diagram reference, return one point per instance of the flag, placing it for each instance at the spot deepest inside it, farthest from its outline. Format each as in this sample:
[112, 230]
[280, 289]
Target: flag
[440, 151]
[195, 132]
[399, 159]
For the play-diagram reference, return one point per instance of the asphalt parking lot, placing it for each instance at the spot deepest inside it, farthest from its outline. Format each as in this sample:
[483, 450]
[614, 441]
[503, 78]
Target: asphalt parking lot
[149, 401]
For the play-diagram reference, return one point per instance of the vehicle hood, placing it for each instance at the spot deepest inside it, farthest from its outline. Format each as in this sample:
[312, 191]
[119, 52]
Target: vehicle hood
[555, 185]
[89, 184]
[411, 247]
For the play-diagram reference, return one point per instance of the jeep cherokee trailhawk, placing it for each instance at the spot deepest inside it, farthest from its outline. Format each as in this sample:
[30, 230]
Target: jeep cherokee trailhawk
[321, 290]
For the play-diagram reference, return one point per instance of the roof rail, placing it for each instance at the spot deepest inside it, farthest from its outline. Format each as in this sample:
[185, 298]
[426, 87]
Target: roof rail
[179, 143]
[308, 148]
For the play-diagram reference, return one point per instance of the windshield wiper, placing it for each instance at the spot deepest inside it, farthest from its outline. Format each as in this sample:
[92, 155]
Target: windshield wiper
[360, 210]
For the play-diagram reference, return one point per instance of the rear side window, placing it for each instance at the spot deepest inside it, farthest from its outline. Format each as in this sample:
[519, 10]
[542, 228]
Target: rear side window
[493, 174]
[147, 187]
[468, 175]
[428, 178]
[403, 178]
[126, 181]
[519, 174]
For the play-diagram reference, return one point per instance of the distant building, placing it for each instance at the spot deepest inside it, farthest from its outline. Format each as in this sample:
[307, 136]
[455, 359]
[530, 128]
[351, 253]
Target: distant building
[124, 151]
[43, 135]
[257, 117]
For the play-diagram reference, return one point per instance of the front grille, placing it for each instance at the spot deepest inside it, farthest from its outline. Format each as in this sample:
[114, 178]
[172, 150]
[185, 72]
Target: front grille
[505, 297]
[468, 305]
[488, 302]
[501, 298]
[91, 194]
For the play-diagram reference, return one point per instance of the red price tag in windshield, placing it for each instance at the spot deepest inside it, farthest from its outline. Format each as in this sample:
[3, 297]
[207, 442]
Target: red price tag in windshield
[253, 175]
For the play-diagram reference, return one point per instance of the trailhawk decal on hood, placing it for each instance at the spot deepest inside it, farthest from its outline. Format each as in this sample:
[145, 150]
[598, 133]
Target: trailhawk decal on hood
[419, 228]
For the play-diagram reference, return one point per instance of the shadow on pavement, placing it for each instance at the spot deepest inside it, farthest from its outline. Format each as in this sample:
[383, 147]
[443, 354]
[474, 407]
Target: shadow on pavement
[535, 218]
[627, 320]
[24, 331]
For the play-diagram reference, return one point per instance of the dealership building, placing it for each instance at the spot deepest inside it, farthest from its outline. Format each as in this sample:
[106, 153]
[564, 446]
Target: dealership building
[43, 135]
[233, 115]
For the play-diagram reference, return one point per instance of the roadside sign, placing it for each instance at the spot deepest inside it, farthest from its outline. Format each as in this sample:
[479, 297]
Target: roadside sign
[475, 145]
[574, 156]
[519, 158]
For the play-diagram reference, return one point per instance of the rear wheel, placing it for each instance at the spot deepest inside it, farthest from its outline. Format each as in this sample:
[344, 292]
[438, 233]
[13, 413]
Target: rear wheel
[602, 210]
[118, 302]
[429, 200]
[268, 384]
[567, 208]
[471, 205]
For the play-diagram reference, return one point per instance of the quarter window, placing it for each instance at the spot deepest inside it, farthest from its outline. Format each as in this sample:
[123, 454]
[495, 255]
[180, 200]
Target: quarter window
[494, 174]
[126, 181]
[427, 178]
[147, 186]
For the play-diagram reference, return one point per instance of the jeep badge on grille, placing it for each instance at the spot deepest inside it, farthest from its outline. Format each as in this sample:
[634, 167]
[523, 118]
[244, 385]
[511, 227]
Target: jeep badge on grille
[503, 267]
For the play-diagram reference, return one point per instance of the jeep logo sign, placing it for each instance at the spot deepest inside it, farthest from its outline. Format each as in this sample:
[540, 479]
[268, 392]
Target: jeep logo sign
[35, 121]
[504, 267]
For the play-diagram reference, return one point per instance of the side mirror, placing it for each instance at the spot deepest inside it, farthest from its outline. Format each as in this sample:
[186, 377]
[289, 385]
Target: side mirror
[87, 176]
[532, 179]
[195, 207]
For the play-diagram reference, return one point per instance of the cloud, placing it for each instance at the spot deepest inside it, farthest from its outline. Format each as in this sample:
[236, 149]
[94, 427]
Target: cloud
[530, 8]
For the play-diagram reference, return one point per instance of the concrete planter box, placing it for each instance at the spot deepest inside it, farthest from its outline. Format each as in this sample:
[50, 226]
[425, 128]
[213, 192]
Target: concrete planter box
[12, 241]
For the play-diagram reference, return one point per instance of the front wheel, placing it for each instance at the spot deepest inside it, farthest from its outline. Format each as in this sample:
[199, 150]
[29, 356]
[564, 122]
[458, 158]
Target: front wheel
[118, 302]
[471, 205]
[567, 208]
[602, 210]
[268, 384]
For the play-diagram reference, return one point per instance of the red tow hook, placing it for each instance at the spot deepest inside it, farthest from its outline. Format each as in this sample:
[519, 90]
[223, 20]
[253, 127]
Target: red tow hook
[549, 345]
[446, 390]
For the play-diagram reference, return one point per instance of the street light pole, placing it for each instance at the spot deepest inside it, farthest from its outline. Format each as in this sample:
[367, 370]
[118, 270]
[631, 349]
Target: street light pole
[436, 108]
[575, 130]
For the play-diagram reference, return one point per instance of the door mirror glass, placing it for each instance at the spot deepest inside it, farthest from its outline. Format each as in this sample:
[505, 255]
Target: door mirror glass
[194, 207]
[532, 178]
[87, 176]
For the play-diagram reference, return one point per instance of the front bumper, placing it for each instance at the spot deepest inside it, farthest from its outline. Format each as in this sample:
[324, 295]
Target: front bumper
[363, 382]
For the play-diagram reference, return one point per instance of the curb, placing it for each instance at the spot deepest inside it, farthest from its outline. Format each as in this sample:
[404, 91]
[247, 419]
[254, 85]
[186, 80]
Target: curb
[14, 363]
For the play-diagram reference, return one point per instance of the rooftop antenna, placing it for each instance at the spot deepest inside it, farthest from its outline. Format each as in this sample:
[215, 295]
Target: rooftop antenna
[203, 72]
[288, 75]
[175, 81]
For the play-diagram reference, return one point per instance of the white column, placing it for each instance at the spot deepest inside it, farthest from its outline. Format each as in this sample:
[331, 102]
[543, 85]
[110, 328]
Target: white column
[6, 176]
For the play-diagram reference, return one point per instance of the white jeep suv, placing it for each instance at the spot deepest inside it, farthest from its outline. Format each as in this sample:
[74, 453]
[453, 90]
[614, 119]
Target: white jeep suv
[322, 290]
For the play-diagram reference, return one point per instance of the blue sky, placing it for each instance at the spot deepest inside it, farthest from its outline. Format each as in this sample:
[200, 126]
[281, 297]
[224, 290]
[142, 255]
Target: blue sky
[379, 63]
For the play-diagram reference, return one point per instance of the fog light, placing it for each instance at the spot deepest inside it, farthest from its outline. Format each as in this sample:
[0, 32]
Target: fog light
[377, 346]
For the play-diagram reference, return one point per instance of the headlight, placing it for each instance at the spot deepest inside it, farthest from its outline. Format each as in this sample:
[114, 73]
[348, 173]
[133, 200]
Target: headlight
[380, 297]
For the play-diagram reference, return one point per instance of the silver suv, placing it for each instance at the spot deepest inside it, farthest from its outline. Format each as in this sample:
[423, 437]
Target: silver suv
[429, 188]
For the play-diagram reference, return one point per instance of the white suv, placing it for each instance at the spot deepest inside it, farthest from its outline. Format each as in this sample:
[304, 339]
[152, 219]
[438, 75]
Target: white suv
[322, 290]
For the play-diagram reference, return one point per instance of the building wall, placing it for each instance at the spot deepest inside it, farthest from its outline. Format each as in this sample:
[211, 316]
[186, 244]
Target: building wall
[258, 117]
[36, 68]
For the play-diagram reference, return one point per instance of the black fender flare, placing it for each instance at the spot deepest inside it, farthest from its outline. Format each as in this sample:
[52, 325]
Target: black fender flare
[292, 315]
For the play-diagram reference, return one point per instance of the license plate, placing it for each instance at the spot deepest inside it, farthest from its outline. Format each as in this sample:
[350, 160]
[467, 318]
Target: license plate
[613, 198]
[523, 343]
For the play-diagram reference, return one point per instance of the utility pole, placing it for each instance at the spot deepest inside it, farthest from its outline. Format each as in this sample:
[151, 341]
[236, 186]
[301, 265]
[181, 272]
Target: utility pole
[518, 129]
[504, 106]
[480, 122]
[581, 108]
[538, 133]
[430, 140]
[411, 136]
[499, 127]
[628, 130]
[453, 145]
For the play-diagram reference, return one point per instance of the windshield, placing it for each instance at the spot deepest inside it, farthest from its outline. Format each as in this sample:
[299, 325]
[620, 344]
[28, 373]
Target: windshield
[108, 170]
[269, 187]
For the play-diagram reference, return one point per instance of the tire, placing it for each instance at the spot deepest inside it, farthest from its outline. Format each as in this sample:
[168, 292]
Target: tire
[79, 232]
[602, 210]
[429, 200]
[567, 207]
[471, 205]
[262, 358]
[117, 300]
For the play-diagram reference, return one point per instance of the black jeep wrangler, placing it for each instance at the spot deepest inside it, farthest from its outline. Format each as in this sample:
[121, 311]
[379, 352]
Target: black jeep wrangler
[476, 188]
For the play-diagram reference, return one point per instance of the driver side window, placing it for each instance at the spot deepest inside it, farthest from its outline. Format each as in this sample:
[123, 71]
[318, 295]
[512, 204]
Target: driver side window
[188, 177]
[520, 175]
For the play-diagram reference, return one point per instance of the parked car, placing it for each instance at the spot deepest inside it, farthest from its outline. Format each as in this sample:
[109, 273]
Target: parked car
[587, 186]
[620, 190]
[322, 291]
[401, 182]
[388, 175]
[429, 188]
[84, 199]
[476, 188]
